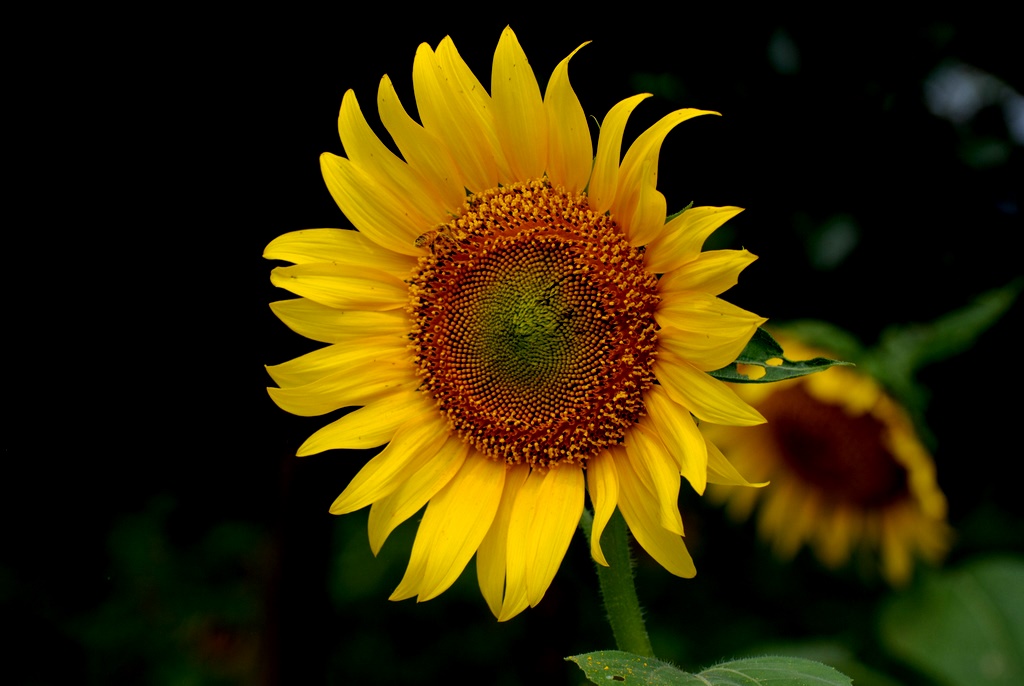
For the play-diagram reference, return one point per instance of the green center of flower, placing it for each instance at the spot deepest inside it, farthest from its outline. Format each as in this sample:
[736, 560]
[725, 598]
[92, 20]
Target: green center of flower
[534, 325]
[845, 456]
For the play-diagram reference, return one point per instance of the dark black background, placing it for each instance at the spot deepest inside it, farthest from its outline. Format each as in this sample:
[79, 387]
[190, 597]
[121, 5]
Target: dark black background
[169, 152]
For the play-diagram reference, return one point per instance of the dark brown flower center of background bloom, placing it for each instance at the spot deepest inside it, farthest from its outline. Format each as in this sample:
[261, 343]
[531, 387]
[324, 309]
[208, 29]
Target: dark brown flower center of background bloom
[844, 456]
[534, 325]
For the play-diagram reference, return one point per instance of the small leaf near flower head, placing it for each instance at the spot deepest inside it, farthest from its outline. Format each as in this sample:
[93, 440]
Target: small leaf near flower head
[765, 356]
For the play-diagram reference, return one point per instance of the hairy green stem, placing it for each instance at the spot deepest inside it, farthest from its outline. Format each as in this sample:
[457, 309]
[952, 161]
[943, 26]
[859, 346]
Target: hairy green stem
[617, 586]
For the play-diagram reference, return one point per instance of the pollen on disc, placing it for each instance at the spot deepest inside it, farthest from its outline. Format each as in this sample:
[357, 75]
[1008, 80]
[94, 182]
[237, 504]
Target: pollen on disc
[534, 325]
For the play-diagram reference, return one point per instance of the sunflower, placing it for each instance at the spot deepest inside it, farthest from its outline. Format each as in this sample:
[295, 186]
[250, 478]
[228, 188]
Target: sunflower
[498, 320]
[848, 472]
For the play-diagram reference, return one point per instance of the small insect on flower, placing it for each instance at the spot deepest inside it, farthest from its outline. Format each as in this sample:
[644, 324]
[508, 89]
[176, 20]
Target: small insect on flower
[428, 238]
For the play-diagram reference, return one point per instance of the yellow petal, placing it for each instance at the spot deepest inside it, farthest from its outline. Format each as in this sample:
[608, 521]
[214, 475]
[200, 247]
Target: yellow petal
[570, 149]
[647, 146]
[706, 397]
[831, 537]
[638, 173]
[658, 471]
[554, 522]
[681, 239]
[648, 215]
[331, 325]
[403, 183]
[415, 443]
[379, 355]
[604, 180]
[370, 426]
[456, 521]
[447, 112]
[714, 272]
[674, 424]
[414, 491]
[423, 150]
[411, 581]
[781, 521]
[344, 390]
[491, 557]
[704, 330]
[897, 563]
[639, 509]
[519, 116]
[336, 246]
[370, 207]
[519, 529]
[721, 471]
[603, 484]
[343, 286]
[471, 93]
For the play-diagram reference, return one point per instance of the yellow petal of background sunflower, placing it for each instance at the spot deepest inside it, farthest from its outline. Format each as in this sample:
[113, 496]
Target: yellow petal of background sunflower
[421, 149]
[604, 181]
[714, 272]
[570, 148]
[707, 398]
[491, 556]
[681, 240]
[336, 246]
[414, 492]
[777, 521]
[658, 471]
[603, 484]
[639, 509]
[456, 521]
[808, 511]
[415, 443]
[331, 325]
[678, 431]
[369, 426]
[520, 119]
[343, 286]
[370, 207]
[405, 184]
[831, 536]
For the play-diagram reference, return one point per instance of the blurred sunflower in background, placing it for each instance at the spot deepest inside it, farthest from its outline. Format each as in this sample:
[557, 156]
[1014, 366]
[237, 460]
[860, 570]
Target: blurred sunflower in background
[850, 477]
[499, 318]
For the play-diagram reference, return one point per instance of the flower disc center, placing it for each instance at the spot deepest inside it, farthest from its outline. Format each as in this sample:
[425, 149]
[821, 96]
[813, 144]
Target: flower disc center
[843, 455]
[529, 320]
[534, 325]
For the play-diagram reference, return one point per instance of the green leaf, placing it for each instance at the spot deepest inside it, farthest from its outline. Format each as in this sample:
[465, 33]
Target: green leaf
[904, 349]
[835, 652]
[763, 351]
[952, 333]
[614, 667]
[673, 216]
[963, 627]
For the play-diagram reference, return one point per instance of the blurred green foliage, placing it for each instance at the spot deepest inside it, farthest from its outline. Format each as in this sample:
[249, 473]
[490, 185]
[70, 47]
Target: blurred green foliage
[963, 626]
[179, 614]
